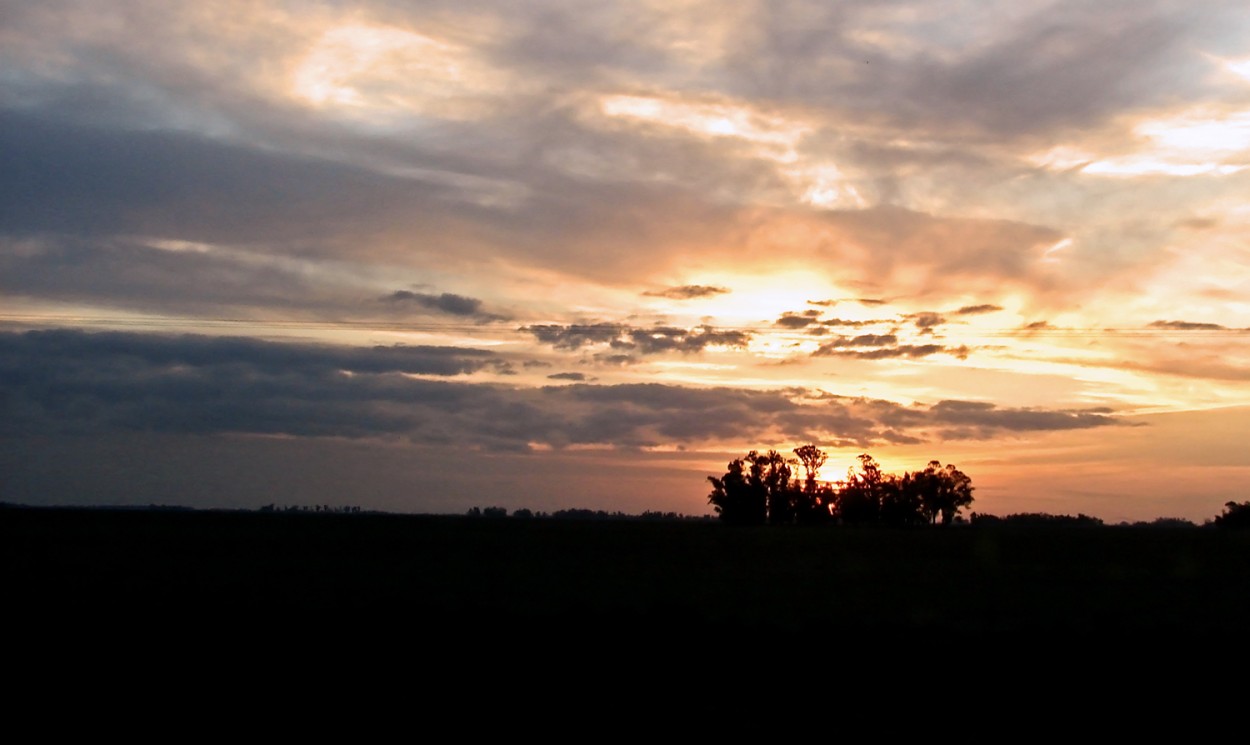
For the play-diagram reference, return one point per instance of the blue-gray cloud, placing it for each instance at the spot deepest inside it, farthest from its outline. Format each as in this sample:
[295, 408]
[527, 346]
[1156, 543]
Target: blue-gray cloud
[65, 382]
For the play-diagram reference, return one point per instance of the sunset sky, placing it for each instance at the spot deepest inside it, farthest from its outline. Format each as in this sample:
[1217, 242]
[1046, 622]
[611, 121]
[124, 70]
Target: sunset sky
[422, 256]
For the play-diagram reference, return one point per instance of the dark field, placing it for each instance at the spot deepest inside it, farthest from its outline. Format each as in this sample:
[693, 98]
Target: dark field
[510, 580]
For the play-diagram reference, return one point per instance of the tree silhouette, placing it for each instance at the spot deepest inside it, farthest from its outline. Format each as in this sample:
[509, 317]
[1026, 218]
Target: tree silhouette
[901, 502]
[943, 491]
[1235, 515]
[859, 499]
[735, 499]
[759, 489]
[814, 503]
[754, 490]
[812, 459]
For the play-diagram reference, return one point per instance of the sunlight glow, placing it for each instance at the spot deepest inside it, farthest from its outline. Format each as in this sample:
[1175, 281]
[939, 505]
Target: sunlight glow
[1192, 144]
[1062, 158]
[1049, 255]
[764, 298]
[376, 69]
[707, 120]
[1201, 135]
[827, 188]
[1239, 67]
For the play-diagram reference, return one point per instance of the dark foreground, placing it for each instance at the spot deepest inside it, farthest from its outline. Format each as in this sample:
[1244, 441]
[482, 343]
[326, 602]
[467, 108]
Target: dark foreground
[509, 580]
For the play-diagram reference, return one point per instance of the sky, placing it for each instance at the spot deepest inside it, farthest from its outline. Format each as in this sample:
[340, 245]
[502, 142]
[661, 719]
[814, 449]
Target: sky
[425, 256]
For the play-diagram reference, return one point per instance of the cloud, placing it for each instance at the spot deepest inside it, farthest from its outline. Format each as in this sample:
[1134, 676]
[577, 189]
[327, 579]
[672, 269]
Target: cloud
[69, 348]
[74, 382]
[1186, 326]
[926, 322]
[650, 340]
[840, 348]
[792, 320]
[69, 179]
[972, 310]
[976, 419]
[906, 252]
[456, 305]
[847, 323]
[167, 277]
[576, 336]
[688, 292]
[575, 376]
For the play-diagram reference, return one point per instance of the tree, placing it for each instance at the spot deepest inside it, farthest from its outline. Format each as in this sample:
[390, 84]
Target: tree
[943, 491]
[859, 500]
[734, 498]
[812, 504]
[754, 490]
[812, 459]
[901, 502]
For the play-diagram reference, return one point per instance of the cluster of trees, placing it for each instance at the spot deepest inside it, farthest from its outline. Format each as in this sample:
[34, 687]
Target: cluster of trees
[761, 488]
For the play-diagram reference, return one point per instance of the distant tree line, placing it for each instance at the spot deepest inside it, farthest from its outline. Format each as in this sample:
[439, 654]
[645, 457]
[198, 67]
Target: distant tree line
[318, 508]
[579, 514]
[761, 488]
[1037, 518]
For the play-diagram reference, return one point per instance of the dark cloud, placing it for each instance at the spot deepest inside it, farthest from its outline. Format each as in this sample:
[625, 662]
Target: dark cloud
[74, 382]
[576, 336]
[688, 292]
[872, 340]
[1187, 326]
[843, 347]
[59, 178]
[576, 376]
[926, 322]
[792, 320]
[659, 339]
[823, 303]
[652, 340]
[617, 360]
[121, 273]
[972, 310]
[1037, 326]
[69, 348]
[456, 305]
[1051, 67]
[847, 323]
[978, 418]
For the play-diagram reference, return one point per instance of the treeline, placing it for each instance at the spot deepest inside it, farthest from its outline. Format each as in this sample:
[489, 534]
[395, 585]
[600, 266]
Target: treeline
[326, 509]
[579, 514]
[761, 488]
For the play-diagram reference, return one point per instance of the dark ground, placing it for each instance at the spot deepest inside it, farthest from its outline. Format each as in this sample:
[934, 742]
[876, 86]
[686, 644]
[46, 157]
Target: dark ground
[460, 578]
[308, 618]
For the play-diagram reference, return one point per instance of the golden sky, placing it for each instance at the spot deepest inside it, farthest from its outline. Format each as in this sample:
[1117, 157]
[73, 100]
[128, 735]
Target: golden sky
[579, 254]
